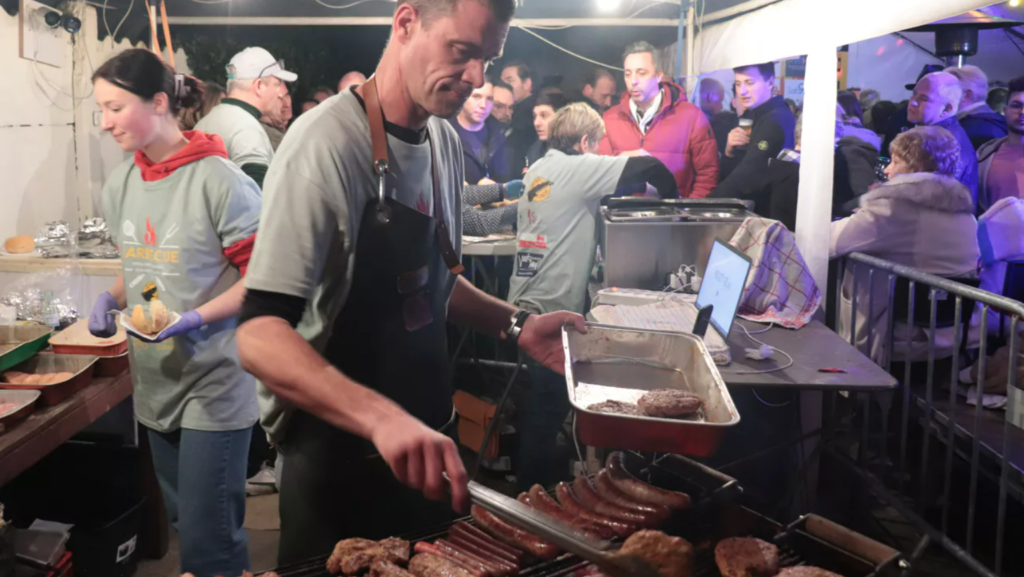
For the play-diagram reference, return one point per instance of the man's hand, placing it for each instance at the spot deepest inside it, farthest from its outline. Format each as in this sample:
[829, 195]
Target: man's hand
[419, 457]
[737, 137]
[637, 152]
[541, 338]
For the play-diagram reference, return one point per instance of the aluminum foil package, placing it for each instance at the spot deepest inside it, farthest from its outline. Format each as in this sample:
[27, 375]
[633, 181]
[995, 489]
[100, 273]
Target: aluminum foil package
[47, 298]
[93, 229]
[56, 233]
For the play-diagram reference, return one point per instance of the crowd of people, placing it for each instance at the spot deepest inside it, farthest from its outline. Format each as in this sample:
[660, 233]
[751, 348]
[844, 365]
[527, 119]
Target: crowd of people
[338, 310]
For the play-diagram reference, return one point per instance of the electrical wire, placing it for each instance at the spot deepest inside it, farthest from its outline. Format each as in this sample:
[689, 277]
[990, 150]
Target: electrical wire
[333, 6]
[766, 371]
[1014, 42]
[570, 52]
[489, 432]
[113, 34]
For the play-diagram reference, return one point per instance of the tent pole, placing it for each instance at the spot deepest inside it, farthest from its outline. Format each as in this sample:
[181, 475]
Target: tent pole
[691, 39]
[679, 40]
[814, 204]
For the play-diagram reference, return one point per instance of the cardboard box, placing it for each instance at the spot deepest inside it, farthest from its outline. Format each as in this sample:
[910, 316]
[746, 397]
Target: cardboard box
[475, 415]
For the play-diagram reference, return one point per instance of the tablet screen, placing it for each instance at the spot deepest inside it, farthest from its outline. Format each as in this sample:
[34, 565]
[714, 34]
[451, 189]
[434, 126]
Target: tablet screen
[722, 285]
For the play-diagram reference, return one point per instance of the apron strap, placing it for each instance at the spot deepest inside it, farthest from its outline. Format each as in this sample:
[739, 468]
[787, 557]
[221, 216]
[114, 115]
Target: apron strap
[378, 139]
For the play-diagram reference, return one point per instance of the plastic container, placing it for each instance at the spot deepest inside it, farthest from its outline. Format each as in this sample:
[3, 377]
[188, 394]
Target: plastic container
[80, 366]
[77, 340]
[96, 488]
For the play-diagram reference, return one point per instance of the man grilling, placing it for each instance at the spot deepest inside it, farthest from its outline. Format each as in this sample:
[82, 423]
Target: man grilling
[353, 278]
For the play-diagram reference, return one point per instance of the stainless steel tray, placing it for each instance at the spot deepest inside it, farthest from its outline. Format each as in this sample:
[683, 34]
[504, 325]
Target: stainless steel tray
[20, 342]
[614, 363]
[80, 366]
[651, 214]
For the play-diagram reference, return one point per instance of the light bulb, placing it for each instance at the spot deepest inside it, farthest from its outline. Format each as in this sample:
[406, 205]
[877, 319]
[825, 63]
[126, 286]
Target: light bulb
[608, 5]
[1014, 3]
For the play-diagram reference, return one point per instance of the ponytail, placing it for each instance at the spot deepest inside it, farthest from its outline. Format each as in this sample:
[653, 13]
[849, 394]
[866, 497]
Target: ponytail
[145, 75]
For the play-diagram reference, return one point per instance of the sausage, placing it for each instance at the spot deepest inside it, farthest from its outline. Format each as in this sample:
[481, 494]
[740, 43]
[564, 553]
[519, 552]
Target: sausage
[428, 549]
[468, 559]
[508, 567]
[569, 502]
[592, 501]
[492, 567]
[463, 531]
[609, 492]
[636, 489]
[543, 502]
[514, 536]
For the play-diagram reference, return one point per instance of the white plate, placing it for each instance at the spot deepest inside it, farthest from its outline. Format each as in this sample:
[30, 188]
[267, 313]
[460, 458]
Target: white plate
[126, 322]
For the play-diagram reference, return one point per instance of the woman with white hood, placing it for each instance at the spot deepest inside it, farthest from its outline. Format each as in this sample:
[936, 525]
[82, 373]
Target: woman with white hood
[923, 218]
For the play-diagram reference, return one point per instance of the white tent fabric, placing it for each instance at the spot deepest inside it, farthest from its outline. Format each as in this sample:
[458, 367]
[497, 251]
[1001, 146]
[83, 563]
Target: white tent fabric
[815, 28]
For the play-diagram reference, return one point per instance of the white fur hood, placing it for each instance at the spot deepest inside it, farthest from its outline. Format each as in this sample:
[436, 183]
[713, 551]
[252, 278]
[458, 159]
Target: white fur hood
[925, 189]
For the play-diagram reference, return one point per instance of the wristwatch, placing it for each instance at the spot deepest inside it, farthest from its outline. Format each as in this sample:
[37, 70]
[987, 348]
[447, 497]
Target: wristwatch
[518, 320]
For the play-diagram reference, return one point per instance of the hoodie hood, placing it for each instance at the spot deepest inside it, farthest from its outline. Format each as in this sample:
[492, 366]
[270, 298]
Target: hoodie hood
[926, 190]
[200, 145]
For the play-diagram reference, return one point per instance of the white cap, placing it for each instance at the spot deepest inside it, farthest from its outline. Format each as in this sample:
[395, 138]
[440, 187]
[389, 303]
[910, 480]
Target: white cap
[255, 62]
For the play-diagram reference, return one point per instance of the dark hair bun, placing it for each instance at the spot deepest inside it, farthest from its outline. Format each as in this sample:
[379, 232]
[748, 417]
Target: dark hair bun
[188, 91]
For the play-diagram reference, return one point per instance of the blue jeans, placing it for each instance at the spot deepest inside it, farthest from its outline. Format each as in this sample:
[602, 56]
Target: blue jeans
[543, 408]
[202, 478]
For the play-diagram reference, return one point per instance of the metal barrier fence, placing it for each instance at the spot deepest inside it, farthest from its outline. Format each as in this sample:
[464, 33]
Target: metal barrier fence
[906, 482]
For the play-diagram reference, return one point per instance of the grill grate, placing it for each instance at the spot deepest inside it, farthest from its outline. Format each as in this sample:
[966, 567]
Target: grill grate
[704, 564]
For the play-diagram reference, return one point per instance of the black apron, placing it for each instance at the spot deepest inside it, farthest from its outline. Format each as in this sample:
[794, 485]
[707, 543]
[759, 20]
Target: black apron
[390, 336]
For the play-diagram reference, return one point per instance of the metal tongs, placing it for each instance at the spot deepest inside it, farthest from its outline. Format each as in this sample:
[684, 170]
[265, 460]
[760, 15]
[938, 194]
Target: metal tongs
[599, 552]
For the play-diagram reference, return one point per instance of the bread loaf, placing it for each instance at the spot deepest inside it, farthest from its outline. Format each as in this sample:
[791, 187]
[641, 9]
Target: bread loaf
[156, 321]
[20, 244]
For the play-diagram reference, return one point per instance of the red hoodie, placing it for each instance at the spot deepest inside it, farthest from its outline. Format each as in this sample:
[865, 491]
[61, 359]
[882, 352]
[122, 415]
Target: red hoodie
[200, 145]
[680, 136]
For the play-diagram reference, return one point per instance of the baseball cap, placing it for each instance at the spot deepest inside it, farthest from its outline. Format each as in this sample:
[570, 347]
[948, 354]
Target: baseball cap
[255, 62]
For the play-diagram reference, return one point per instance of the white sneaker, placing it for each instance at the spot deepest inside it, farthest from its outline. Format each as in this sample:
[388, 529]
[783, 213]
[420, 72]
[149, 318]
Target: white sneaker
[262, 483]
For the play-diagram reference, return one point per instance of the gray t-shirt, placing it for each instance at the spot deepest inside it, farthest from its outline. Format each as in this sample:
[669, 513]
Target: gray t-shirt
[558, 229]
[172, 234]
[238, 125]
[314, 197]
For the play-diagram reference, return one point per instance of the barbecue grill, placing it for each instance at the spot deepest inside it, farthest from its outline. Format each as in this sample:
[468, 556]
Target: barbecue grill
[716, 515]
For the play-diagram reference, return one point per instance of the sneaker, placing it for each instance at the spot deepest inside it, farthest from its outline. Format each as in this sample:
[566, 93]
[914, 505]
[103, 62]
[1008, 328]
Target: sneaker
[262, 483]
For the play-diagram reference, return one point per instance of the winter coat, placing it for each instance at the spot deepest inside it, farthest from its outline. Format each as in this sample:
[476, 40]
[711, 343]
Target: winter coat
[679, 136]
[967, 168]
[865, 135]
[983, 124]
[744, 175]
[922, 220]
[854, 173]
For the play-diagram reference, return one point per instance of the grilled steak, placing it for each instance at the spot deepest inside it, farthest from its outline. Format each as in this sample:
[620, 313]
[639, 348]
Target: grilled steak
[355, 556]
[806, 572]
[670, 556]
[669, 403]
[746, 557]
[425, 565]
[382, 568]
[617, 408]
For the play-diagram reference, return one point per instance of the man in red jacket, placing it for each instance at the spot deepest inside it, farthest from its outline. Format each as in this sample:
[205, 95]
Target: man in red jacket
[654, 118]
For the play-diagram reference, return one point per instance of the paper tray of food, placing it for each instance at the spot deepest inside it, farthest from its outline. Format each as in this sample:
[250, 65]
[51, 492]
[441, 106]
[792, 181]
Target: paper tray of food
[18, 343]
[77, 340]
[56, 377]
[16, 405]
[646, 390]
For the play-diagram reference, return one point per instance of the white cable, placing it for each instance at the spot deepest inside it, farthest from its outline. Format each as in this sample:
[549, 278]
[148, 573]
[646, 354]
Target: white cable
[567, 51]
[764, 372]
[342, 7]
[113, 35]
[576, 443]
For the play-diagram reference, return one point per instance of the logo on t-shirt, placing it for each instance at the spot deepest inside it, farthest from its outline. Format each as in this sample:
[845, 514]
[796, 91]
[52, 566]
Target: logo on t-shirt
[150, 237]
[527, 264]
[540, 189]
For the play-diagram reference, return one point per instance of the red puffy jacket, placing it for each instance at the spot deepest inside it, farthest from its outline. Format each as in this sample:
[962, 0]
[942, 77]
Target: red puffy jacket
[680, 136]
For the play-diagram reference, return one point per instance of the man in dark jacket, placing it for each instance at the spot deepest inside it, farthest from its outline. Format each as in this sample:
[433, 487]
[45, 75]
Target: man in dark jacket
[522, 135]
[598, 90]
[934, 103]
[1001, 161]
[745, 163]
[978, 120]
[483, 141]
[898, 123]
[655, 119]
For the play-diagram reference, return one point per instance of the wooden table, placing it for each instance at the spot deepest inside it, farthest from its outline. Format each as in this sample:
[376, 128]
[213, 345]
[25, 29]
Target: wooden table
[26, 442]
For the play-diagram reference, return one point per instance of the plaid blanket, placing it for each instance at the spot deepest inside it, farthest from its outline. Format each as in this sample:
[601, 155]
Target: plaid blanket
[779, 289]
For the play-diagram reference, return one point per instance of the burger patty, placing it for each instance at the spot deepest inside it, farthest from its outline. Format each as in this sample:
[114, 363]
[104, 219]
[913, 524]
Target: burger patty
[669, 403]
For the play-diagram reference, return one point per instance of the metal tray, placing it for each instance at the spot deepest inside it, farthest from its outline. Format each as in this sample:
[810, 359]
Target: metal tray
[622, 364]
[80, 366]
[19, 343]
[111, 366]
[77, 340]
[26, 402]
[652, 214]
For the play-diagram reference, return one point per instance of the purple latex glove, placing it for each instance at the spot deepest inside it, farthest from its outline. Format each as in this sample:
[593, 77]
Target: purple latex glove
[101, 323]
[190, 321]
